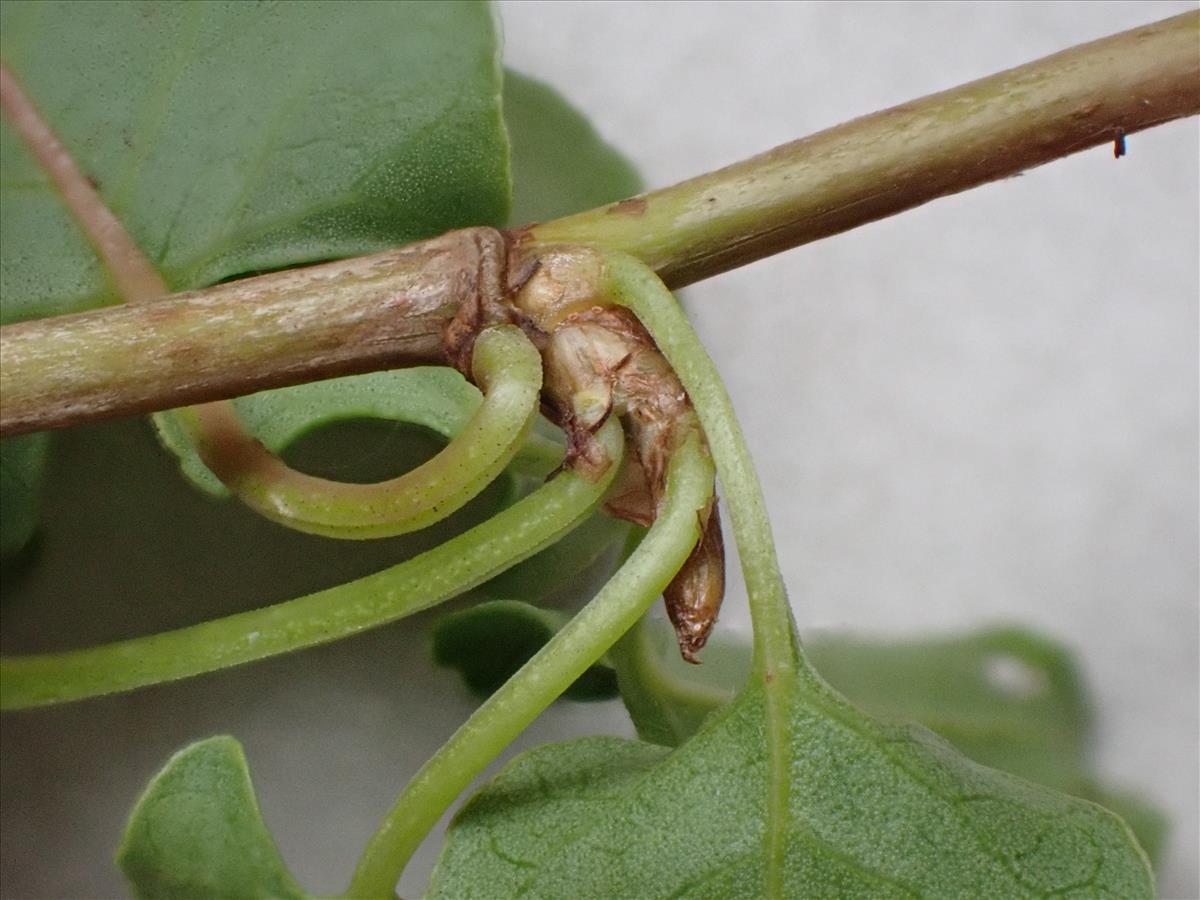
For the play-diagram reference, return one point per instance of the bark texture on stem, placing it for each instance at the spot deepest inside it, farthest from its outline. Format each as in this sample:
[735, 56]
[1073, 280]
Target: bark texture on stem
[392, 309]
[359, 315]
[890, 161]
[601, 362]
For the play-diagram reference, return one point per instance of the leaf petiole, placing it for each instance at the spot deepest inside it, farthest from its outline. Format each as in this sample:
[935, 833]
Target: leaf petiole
[468, 560]
[778, 660]
[615, 609]
[631, 283]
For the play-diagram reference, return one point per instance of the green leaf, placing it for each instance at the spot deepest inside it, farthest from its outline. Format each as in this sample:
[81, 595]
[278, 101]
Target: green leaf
[22, 463]
[560, 164]
[230, 137]
[872, 810]
[251, 137]
[1148, 824]
[196, 832]
[489, 642]
[1006, 697]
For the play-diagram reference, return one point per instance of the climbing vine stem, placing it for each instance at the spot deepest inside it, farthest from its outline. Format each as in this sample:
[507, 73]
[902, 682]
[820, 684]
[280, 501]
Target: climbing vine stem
[832, 181]
[778, 660]
[446, 571]
[612, 612]
[506, 366]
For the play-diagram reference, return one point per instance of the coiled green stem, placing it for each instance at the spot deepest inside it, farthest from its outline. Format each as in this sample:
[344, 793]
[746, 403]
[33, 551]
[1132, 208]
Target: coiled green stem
[505, 714]
[778, 661]
[443, 572]
[509, 371]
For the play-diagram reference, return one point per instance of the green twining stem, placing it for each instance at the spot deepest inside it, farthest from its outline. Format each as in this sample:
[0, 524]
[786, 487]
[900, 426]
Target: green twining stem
[507, 368]
[618, 606]
[779, 664]
[631, 283]
[439, 574]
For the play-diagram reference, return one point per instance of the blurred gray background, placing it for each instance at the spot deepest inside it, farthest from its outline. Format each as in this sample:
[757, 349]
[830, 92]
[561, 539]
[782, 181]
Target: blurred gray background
[981, 411]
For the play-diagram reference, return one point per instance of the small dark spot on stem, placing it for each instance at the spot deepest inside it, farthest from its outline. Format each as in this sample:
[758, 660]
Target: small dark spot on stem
[634, 206]
[93, 181]
[1119, 143]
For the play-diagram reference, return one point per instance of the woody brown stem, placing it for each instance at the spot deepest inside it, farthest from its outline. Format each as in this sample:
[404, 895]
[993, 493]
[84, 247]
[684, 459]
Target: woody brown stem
[359, 315]
[389, 310]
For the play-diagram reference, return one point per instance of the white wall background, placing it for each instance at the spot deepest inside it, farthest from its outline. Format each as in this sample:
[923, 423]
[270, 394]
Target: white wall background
[983, 410]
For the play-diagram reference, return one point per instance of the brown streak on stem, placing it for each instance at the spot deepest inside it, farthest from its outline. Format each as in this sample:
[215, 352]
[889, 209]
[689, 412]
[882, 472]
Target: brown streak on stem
[634, 206]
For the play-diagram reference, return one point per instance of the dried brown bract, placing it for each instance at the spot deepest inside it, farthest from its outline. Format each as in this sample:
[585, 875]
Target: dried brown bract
[600, 361]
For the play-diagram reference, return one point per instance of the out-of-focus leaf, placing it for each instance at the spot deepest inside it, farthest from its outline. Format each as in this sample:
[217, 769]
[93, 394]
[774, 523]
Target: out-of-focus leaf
[489, 642]
[196, 832]
[22, 462]
[560, 164]
[559, 566]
